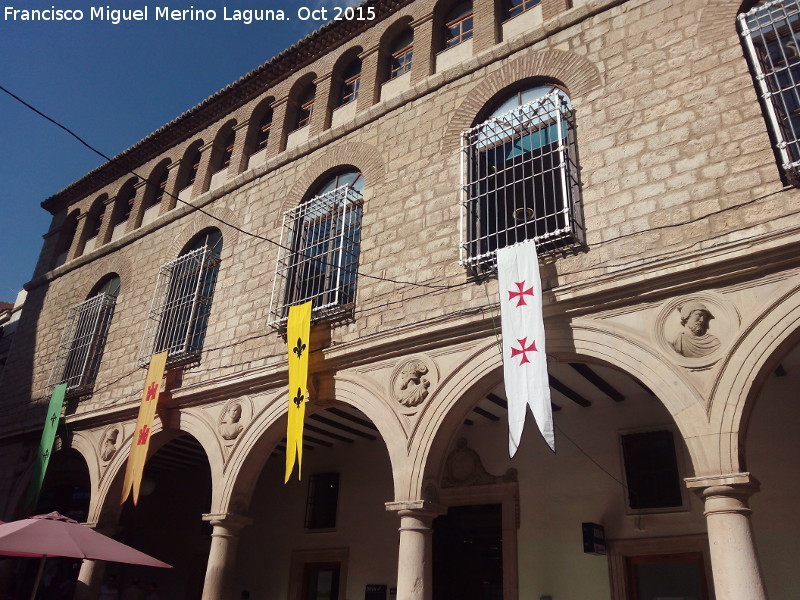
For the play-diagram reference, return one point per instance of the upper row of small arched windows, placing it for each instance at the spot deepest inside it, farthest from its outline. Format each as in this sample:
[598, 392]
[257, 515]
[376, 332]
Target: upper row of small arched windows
[453, 26]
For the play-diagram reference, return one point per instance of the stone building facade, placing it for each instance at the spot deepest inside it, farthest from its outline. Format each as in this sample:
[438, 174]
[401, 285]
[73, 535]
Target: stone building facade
[671, 305]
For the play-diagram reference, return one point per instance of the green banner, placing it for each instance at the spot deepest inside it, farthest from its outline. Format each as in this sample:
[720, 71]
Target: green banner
[46, 445]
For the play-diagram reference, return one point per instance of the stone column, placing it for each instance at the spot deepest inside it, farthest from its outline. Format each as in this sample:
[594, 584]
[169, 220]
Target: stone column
[106, 229]
[486, 28]
[414, 562]
[76, 246]
[222, 555]
[321, 115]
[89, 579]
[240, 156]
[171, 192]
[280, 128]
[423, 62]
[203, 180]
[734, 563]
[369, 91]
[135, 220]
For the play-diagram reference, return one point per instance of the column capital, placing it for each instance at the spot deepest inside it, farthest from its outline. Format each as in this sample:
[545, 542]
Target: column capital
[731, 479]
[416, 508]
[230, 521]
[279, 102]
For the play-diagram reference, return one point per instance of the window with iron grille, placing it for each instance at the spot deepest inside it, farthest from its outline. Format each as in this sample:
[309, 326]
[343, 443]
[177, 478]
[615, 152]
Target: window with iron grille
[181, 306]
[651, 470]
[262, 135]
[770, 35]
[520, 178]
[83, 340]
[322, 501]
[318, 257]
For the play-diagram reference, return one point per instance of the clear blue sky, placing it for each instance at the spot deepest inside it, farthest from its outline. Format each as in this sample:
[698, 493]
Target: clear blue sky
[113, 85]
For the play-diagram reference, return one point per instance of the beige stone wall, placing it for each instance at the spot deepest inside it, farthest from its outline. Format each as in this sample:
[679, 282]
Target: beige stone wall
[681, 196]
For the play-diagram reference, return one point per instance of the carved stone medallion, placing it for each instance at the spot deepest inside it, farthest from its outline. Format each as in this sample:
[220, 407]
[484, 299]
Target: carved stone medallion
[695, 330]
[234, 418]
[110, 442]
[413, 380]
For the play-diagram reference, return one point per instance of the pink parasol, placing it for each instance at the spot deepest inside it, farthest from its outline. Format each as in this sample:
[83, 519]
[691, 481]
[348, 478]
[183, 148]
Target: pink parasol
[54, 535]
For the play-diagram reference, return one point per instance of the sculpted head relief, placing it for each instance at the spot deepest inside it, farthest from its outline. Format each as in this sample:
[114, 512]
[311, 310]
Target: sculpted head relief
[694, 339]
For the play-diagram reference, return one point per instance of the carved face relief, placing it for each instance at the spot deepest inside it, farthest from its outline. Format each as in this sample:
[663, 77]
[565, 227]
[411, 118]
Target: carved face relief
[109, 443]
[232, 419]
[694, 330]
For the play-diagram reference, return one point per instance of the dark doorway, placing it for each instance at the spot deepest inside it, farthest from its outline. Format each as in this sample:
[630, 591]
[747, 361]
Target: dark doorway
[321, 581]
[681, 576]
[468, 553]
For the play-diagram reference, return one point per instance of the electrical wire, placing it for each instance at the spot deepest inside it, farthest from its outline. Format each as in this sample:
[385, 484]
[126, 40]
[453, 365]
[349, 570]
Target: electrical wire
[118, 162]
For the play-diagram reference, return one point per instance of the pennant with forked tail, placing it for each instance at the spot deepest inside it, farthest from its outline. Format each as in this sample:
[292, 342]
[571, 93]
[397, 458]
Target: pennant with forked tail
[141, 437]
[298, 330]
[524, 359]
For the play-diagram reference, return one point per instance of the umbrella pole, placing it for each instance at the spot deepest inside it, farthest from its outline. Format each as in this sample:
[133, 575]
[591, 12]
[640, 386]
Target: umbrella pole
[38, 577]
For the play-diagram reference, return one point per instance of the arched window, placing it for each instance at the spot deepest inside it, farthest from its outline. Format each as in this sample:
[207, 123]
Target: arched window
[182, 301]
[190, 165]
[520, 176]
[517, 7]
[305, 106]
[65, 237]
[318, 260]
[158, 187]
[351, 81]
[457, 24]
[94, 222]
[771, 35]
[262, 133]
[84, 337]
[401, 51]
[123, 205]
[223, 150]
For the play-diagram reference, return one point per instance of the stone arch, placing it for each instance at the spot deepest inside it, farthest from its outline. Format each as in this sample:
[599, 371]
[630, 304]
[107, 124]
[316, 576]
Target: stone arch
[252, 452]
[226, 221]
[111, 481]
[582, 339]
[94, 272]
[363, 157]
[577, 73]
[754, 355]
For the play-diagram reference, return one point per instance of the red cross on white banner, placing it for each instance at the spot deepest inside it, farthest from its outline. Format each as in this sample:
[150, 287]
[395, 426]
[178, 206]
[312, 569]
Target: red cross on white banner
[524, 359]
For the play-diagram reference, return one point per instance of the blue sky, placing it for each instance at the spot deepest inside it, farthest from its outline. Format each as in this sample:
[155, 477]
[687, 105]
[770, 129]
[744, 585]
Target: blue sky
[113, 85]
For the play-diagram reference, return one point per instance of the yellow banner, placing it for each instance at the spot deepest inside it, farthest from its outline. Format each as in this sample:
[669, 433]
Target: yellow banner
[297, 334]
[141, 437]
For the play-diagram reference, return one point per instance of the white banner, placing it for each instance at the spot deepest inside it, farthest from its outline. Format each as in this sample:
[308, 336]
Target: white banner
[524, 359]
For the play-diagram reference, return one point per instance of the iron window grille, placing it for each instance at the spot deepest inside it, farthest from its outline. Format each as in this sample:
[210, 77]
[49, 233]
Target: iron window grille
[82, 342]
[520, 182]
[770, 35]
[263, 131]
[318, 256]
[651, 470]
[181, 306]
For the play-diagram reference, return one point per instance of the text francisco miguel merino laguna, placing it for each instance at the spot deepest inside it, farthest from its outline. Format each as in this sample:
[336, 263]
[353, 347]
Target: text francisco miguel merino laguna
[165, 13]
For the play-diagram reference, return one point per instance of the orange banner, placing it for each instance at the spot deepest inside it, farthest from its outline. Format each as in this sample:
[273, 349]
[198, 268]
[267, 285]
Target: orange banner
[141, 437]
